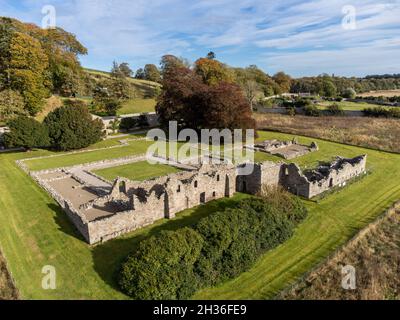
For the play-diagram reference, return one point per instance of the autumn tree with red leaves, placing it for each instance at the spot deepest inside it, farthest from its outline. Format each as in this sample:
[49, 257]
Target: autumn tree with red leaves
[191, 101]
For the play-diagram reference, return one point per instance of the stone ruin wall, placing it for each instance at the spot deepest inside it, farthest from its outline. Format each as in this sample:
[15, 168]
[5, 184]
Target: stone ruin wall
[152, 200]
[160, 198]
[297, 182]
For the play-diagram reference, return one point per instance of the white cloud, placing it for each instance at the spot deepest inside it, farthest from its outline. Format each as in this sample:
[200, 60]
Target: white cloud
[141, 31]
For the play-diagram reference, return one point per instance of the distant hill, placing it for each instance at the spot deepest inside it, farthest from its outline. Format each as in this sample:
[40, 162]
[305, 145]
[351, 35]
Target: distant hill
[143, 86]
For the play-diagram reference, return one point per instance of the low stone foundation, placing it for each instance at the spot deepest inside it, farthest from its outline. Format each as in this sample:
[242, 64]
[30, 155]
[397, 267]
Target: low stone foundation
[130, 205]
[285, 149]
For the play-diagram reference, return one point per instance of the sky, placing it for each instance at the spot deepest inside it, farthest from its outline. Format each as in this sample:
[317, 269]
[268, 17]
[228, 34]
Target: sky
[302, 38]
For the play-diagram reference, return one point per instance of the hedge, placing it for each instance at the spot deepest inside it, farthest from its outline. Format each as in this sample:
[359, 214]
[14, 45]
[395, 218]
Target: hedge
[175, 264]
[382, 112]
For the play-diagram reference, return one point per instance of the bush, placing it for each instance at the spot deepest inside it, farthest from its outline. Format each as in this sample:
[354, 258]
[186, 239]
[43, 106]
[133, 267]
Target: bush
[143, 121]
[72, 127]
[335, 110]
[312, 111]
[287, 104]
[291, 111]
[174, 265]
[278, 197]
[302, 103]
[128, 123]
[27, 133]
[380, 112]
[349, 93]
[162, 267]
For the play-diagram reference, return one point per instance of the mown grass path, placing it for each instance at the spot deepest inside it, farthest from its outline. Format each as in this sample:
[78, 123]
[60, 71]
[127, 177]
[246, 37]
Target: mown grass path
[34, 232]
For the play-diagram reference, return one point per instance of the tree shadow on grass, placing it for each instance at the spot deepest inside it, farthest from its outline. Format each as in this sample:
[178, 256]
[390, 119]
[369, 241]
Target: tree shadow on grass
[108, 257]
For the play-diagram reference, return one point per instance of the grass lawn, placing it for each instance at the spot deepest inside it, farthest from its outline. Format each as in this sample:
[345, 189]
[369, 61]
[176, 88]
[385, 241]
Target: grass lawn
[138, 171]
[66, 160]
[137, 106]
[35, 232]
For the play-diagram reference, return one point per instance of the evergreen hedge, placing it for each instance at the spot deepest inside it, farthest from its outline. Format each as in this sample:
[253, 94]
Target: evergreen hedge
[175, 264]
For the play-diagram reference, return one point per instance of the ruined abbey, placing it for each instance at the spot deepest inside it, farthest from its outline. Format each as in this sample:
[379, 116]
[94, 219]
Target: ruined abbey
[102, 210]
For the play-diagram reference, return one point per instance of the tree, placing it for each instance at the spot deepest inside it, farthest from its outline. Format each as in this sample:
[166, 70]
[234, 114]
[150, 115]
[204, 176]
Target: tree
[349, 93]
[226, 107]
[151, 73]
[62, 50]
[169, 63]
[11, 105]
[27, 133]
[116, 71]
[211, 55]
[328, 88]
[284, 81]
[24, 69]
[72, 127]
[178, 99]
[213, 72]
[105, 102]
[63, 74]
[115, 125]
[125, 69]
[139, 74]
[185, 98]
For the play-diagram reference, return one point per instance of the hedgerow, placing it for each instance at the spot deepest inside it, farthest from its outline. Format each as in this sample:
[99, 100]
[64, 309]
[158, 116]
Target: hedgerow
[379, 112]
[175, 264]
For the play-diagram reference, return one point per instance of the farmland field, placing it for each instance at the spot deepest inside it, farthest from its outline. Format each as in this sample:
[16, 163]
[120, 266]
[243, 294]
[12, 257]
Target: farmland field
[35, 232]
[381, 93]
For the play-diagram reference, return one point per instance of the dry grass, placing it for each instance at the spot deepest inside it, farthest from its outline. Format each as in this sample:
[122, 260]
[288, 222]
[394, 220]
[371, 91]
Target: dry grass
[7, 288]
[381, 93]
[52, 103]
[376, 133]
[375, 255]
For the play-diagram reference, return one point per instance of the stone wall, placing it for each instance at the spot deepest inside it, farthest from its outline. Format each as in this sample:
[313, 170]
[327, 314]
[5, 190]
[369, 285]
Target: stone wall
[142, 203]
[311, 183]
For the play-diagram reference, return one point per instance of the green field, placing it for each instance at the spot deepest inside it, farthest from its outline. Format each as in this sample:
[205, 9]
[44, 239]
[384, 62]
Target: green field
[137, 106]
[134, 148]
[35, 232]
[137, 171]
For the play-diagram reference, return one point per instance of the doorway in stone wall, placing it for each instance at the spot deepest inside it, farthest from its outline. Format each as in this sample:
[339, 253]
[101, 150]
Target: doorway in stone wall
[203, 198]
[331, 183]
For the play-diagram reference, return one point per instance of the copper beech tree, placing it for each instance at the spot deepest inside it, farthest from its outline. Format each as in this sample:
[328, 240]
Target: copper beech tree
[194, 103]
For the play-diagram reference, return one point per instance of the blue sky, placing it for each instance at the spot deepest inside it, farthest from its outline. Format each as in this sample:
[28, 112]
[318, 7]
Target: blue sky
[299, 37]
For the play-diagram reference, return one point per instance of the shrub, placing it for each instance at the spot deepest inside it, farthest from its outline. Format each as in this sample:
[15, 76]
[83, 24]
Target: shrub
[349, 93]
[72, 127]
[312, 111]
[162, 267]
[11, 105]
[278, 197]
[143, 121]
[287, 104]
[173, 265]
[291, 111]
[27, 133]
[128, 123]
[302, 103]
[380, 112]
[335, 110]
